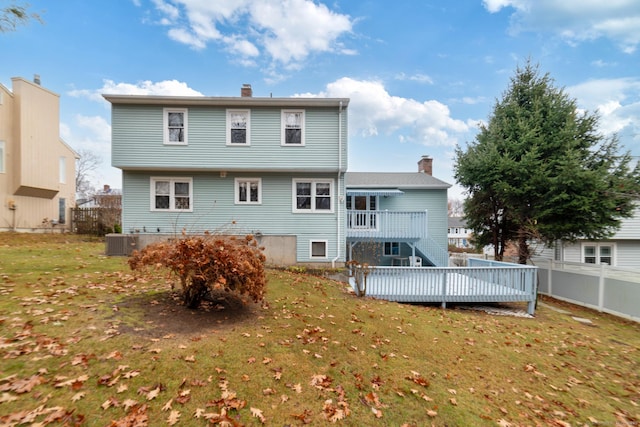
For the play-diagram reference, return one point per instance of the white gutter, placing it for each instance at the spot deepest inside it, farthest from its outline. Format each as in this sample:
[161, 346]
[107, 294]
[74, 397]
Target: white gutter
[333, 261]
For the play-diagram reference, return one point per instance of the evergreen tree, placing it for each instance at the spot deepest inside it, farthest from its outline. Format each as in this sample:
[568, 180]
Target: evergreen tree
[540, 169]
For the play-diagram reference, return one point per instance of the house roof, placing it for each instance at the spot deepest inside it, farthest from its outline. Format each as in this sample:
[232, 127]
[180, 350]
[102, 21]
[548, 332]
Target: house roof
[456, 221]
[241, 101]
[399, 180]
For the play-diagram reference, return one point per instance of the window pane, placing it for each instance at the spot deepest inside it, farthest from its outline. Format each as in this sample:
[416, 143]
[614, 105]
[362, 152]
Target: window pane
[323, 203]
[242, 191]
[319, 249]
[176, 135]
[254, 191]
[181, 188]
[162, 187]
[176, 119]
[182, 203]
[293, 136]
[293, 120]
[162, 202]
[323, 189]
[238, 136]
[303, 202]
[303, 188]
[605, 251]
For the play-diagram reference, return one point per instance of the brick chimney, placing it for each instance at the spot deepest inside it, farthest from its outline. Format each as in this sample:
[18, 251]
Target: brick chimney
[425, 165]
[246, 91]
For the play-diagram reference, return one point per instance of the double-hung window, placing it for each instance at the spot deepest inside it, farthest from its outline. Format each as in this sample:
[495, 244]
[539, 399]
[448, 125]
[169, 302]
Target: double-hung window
[293, 127]
[175, 126]
[248, 191]
[312, 195]
[598, 253]
[171, 194]
[238, 127]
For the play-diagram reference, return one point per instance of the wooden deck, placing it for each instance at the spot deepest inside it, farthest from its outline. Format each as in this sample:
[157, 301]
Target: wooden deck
[500, 282]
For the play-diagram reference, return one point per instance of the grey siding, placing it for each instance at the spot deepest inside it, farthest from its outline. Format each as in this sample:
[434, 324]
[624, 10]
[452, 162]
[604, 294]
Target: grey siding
[214, 209]
[137, 141]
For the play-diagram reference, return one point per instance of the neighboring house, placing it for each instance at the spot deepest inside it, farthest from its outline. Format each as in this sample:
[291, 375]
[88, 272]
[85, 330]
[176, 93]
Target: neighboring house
[271, 167]
[621, 250]
[106, 198]
[37, 168]
[458, 234]
[397, 218]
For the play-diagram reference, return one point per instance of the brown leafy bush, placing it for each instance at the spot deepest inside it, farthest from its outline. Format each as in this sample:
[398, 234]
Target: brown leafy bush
[208, 263]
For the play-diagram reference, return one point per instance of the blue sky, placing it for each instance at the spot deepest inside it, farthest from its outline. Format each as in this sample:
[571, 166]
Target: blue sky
[421, 74]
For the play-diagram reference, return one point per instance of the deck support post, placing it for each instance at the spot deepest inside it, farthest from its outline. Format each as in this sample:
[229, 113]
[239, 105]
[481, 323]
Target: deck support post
[444, 304]
[531, 307]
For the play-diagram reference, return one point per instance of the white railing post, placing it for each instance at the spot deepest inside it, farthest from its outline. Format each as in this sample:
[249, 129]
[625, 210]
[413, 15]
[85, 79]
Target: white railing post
[601, 287]
[550, 276]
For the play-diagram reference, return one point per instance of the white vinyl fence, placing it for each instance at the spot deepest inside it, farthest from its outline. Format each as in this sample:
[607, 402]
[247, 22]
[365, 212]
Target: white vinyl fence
[602, 287]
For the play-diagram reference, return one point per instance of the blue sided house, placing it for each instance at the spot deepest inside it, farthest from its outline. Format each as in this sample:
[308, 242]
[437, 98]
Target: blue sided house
[397, 219]
[271, 167]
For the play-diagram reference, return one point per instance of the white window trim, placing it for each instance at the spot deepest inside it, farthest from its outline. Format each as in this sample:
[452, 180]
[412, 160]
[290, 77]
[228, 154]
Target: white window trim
[313, 195]
[172, 181]
[248, 140]
[3, 157]
[282, 128]
[326, 249]
[237, 200]
[598, 245]
[165, 124]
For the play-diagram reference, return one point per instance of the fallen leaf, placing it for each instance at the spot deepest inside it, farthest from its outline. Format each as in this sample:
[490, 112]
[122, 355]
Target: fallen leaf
[258, 414]
[174, 416]
[167, 406]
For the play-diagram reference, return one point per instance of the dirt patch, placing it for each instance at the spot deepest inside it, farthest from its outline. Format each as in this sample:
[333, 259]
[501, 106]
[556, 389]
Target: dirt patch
[163, 314]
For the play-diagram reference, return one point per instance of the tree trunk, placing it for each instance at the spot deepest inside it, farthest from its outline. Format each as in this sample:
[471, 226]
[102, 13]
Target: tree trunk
[523, 248]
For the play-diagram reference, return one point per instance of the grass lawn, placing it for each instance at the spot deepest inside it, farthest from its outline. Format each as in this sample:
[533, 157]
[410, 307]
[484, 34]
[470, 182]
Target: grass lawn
[85, 341]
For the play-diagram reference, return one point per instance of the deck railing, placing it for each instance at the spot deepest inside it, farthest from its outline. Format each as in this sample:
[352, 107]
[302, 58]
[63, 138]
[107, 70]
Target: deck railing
[448, 284]
[386, 224]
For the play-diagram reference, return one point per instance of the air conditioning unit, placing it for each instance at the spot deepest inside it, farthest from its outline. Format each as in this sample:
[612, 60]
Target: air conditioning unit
[121, 244]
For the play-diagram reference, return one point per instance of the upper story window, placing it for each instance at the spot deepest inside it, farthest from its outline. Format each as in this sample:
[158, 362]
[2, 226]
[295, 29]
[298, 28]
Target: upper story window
[2, 156]
[293, 127]
[312, 195]
[238, 127]
[248, 191]
[175, 126]
[171, 194]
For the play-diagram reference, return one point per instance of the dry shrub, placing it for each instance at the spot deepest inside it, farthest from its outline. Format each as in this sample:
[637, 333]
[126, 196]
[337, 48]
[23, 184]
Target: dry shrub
[208, 263]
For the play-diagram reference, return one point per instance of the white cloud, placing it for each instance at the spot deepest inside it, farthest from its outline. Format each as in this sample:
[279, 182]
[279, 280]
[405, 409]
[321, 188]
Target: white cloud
[166, 87]
[616, 100]
[419, 78]
[576, 20]
[373, 111]
[286, 31]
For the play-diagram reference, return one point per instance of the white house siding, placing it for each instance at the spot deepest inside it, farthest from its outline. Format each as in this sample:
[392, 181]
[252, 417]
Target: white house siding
[214, 209]
[626, 252]
[138, 141]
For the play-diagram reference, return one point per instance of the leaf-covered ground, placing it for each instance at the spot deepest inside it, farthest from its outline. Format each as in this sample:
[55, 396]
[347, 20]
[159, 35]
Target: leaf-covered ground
[84, 341]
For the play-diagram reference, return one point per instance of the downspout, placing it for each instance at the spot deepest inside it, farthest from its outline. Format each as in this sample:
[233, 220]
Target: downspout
[333, 261]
